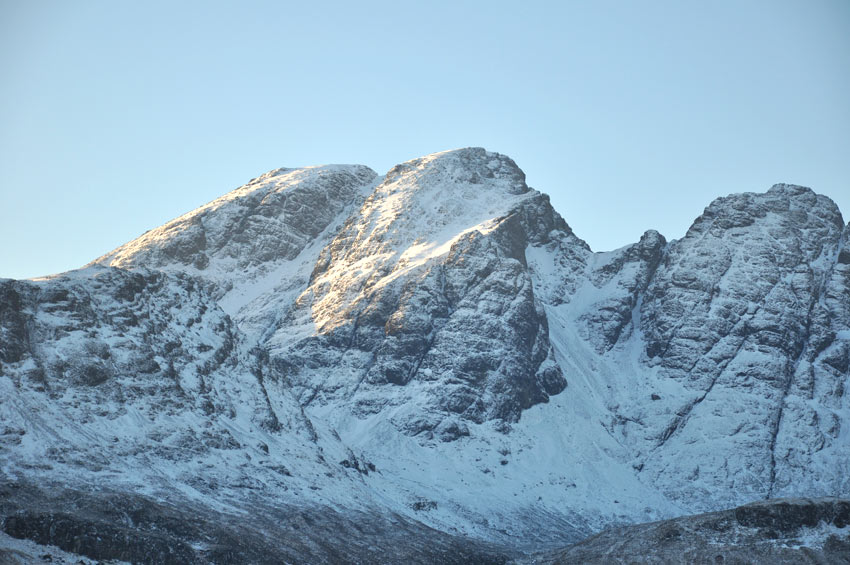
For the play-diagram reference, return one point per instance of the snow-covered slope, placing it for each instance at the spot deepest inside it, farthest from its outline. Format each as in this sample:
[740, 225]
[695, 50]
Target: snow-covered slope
[718, 361]
[741, 314]
[260, 240]
[137, 423]
[138, 379]
[421, 308]
[438, 345]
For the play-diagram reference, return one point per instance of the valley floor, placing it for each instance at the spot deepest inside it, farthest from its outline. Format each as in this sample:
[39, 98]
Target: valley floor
[56, 525]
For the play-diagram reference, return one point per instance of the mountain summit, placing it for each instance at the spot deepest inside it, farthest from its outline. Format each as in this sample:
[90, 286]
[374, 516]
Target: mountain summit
[431, 354]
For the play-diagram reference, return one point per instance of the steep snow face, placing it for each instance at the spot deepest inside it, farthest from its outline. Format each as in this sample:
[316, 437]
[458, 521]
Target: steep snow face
[717, 361]
[421, 209]
[813, 427]
[271, 218]
[736, 314]
[260, 239]
[139, 381]
[421, 306]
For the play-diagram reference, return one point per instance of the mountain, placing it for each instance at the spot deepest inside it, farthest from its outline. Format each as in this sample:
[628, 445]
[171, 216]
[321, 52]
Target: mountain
[432, 351]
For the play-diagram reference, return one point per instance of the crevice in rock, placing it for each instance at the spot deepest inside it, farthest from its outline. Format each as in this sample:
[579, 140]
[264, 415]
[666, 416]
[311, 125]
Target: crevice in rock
[683, 414]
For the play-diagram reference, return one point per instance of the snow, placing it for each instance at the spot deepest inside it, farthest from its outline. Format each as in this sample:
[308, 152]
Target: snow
[22, 552]
[632, 438]
[409, 220]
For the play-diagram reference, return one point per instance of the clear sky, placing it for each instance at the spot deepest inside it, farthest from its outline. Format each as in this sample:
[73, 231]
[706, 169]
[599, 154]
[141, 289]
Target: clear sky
[118, 116]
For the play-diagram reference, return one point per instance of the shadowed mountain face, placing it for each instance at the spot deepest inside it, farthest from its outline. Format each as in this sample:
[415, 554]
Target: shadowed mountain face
[437, 345]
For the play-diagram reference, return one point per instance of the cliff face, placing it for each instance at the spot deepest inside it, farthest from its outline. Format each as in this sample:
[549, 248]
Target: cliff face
[422, 304]
[745, 312]
[437, 344]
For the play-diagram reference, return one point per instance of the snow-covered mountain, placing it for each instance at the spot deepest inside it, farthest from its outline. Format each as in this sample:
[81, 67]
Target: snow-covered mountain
[436, 349]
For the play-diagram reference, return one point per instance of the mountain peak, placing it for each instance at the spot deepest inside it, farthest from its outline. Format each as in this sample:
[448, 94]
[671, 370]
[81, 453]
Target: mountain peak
[471, 165]
[792, 206]
[790, 189]
[271, 218]
[423, 206]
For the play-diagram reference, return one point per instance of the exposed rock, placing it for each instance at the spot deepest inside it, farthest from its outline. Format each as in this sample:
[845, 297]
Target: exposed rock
[107, 525]
[272, 218]
[324, 338]
[736, 313]
[784, 531]
[422, 289]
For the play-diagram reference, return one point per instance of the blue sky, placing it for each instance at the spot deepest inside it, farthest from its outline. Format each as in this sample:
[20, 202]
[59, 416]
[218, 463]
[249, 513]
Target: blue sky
[116, 116]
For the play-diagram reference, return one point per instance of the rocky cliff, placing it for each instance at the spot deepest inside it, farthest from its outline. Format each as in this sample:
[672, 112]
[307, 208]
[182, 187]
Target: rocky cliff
[437, 345]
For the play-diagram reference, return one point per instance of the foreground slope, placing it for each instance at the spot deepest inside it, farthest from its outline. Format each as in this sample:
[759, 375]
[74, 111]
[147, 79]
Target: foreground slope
[106, 524]
[437, 345]
[783, 531]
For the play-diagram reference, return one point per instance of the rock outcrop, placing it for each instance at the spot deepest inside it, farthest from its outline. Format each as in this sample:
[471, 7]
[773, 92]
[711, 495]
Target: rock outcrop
[783, 531]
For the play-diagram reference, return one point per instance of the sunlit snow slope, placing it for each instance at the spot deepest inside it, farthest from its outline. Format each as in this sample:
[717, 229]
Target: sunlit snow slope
[442, 330]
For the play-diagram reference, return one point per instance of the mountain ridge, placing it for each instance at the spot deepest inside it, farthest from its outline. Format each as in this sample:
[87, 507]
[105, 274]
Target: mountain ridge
[438, 344]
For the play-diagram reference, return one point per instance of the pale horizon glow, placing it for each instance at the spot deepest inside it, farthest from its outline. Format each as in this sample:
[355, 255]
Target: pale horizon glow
[118, 117]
